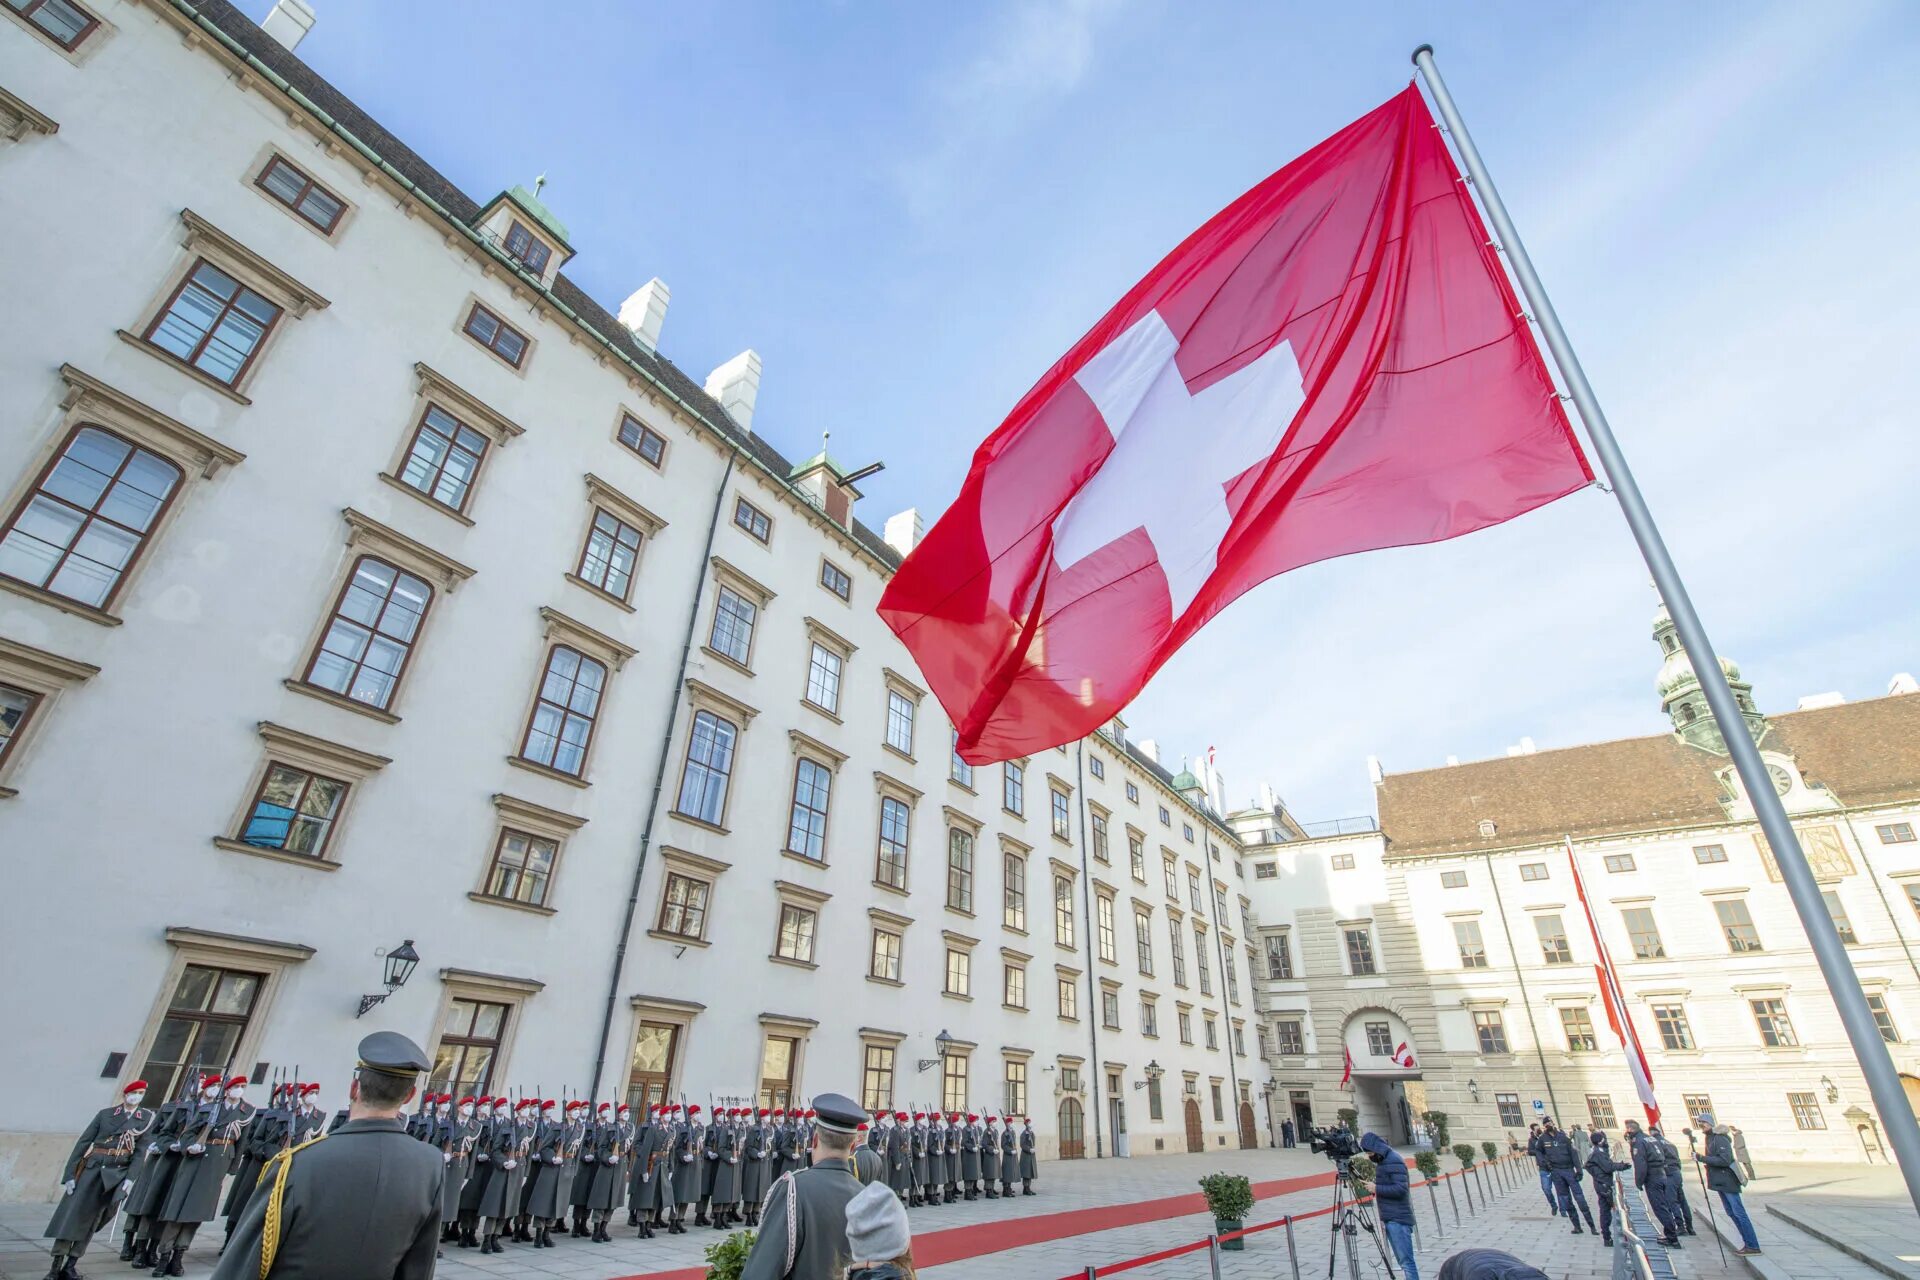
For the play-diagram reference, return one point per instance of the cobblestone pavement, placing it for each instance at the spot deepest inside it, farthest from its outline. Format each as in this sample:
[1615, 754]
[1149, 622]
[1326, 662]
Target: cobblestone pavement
[1829, 1222]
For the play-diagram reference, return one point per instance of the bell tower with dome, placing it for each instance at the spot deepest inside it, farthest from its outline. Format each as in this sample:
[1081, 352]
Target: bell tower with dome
[1685, 703]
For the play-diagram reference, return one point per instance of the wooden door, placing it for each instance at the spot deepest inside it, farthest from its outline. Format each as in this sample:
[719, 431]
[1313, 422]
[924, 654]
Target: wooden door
[1196, 1137]
[1248, 1139]
[1073, 1135]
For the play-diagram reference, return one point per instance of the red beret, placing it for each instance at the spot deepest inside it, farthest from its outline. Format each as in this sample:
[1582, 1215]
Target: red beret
[136, 1086]
[810, 1113]
[210, 1082]
[605, 1106]
[465, 1102]
[237, 1080]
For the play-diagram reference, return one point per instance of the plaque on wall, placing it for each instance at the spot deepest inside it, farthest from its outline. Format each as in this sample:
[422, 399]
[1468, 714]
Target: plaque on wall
[1825, 854]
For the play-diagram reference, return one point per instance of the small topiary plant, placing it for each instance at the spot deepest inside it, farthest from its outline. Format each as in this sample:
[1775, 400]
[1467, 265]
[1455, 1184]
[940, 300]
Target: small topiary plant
[727, 1259]
[1427, 1162]
[1465, 1154]
[1350, 1117]
[1229, 1196]
[1491, 1151]
[1362, 1173]
[1437, 1121]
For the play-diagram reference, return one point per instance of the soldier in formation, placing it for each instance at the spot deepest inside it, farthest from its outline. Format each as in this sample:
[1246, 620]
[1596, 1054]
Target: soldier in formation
[805, 1227]
[990, 1156]
[102, 1168]
[756, 1163]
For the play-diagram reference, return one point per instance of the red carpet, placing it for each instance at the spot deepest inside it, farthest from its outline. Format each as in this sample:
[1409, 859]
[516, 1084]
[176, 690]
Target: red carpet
[956, 1244]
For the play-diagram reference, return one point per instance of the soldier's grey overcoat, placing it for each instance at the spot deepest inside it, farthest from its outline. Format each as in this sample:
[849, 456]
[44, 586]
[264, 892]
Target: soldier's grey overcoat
[109, 1152]
[807, 1213]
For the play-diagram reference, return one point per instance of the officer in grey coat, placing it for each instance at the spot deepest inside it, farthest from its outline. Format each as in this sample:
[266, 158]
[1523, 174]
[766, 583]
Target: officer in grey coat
[900, 1157]
[164, 1157]
[990, 1157]
[651, 1177]
[689, 1153]
[756, 1159]
[101, 1169]
[364, 1200]
[970, 1155]
[207, 1146]
[1029, 1164]
[921, 1168]
[1009, 1158]
[723, 1191]
[803, 1235]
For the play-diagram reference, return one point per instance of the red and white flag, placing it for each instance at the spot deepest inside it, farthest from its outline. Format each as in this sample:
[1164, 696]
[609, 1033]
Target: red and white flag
[1403, 1056]
[1616, 1001]
[1334, 363]
[1346, 1076]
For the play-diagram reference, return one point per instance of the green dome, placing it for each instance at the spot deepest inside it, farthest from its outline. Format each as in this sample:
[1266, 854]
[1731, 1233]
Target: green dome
[1185, 779]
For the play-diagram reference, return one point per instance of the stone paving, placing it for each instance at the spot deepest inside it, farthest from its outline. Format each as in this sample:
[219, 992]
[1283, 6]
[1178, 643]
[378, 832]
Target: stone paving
[1828, 1222]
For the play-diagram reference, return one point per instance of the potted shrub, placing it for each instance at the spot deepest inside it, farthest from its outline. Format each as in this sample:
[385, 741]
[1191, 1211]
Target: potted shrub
[1465, 1154]
[727, 1259]
[1350, 1117]
[1428, 1163]
[1489, 1150]
[1230, 1200]
[1437, 1122]
[1362, 1174]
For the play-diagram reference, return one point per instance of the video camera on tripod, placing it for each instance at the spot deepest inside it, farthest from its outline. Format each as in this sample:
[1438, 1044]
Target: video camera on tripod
[1336, 1143]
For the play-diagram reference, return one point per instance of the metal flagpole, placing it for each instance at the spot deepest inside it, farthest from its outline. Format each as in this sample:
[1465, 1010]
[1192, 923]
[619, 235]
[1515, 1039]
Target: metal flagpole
[1883, 1082]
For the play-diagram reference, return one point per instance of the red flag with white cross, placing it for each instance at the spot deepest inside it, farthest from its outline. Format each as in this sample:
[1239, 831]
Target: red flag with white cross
[1334, 363]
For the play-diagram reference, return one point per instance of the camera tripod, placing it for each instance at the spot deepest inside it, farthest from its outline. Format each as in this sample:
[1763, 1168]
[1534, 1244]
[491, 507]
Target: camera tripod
[1350, 1217]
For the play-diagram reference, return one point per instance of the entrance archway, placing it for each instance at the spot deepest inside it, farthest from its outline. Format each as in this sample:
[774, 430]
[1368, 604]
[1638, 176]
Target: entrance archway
[1248, 1138]
[1073, 1132]
[1196, 1137]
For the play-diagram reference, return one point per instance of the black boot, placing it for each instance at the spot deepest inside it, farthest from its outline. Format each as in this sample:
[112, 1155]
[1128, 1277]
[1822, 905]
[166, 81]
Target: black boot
[142, 1255]
[1026, 1187]
[633, 1218]
[1576, 1226]
[161, 1259]
[56, 1269]
[177, 1263]
[71, 1271]
[126, 1246]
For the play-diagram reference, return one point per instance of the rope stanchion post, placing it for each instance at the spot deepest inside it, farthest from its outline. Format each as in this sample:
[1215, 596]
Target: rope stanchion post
[1453, 1200]
[1093, 1273]
[1433, 1197]
[1213, 1255]
[1293, 1254]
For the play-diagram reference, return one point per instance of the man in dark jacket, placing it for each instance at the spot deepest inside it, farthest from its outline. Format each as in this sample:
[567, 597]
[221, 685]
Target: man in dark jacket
[1650, 1175]
[1540, 1165]
[1723, 1177]
[1562, 1164]
[1392, 1198]
[1602, 1165]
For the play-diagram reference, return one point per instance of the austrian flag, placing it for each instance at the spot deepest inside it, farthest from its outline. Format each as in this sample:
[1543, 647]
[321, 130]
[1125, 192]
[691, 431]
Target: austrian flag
[1334, 363]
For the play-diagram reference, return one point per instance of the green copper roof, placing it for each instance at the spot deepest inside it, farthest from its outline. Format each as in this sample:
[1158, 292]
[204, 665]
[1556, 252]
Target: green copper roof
[543, 215]
[818, 460]
[1184, 779]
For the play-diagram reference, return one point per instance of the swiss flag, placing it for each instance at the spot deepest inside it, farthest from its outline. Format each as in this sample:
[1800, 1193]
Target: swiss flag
[1334, 363]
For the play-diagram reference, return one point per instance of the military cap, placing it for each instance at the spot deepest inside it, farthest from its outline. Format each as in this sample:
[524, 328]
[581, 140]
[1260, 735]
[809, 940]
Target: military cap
[838, 1114]
[392, 1054]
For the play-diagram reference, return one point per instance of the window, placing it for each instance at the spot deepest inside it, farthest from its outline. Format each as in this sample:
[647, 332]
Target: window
[1279, 956]
[1644, 934]
[876, 1077]
[752, 519]
[213, 323]
[1013, 788]
[1133, 792]
[1186, 829]
[444, 457]
[1097, 767]
[642, 439]
[1233, 975]
[1553, 939]
[1070, 1079]
[807, 828]
[1533, 871]
[1359, 952]
[1016, 1088]
[1737, 925]
[1110, 1010]
[836, 580]
[522, 867]
[1212, 1033]
[1186, 1027]
[1057, 802]
[1453, 879]
[900, 713]
[1895, 833]
[703, 787]
[294, 811]
[1214, 1086]
[1491, 1031]
[469, 1045]
[1806, 1111]
[606, 562]
[1600, 1110]
[1695, 1105]
[1579, 1028]
[733, 619]
[1838, 911]
[496, 335]
[563, 712]
[959, 770]
[88, 517]
[1013, 905]
[960, 870]
[1193, 889]
[683, 907]
[1137, 857]
[885, 960]
[1341, 862]
[533, 252]
[1913, 895]
[1671, 1019]
[959, 972]
[890, 867]
[1166, 819]
[370, 633]
[1173, 881]
[1109, 943]
[1179, 952]
[61, 21]
[1379, 1039]
[1063, 911]
[1149, 1018]
[1200, 962]
[1099, 823]
[1014, 988]
[1069, 994]
[15, 706]
[205, 1018]
[1266, 871]
[1776, 1029]
[1287, 1039]
[1509, 1106]
[1883, 1017]
[796, 933]
[953, 1082]
[1155, 1108]
[1618, 862]
[1473, 947]
[823, 678]
[1143, 941]
[1706, 854]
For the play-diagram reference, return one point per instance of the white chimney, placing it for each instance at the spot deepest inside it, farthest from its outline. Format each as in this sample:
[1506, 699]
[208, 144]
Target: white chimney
[1903, 683]
[903, 530]
[1524, 747]
[1149, 748]
[736, 385]
[1815, 701]
[1269, 798]
[288, 22]
[1452, 761]
[645, 311]
[1374, 771]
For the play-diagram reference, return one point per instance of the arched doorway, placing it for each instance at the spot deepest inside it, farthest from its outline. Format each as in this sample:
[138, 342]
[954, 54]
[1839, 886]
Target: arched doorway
[1248, 1138]
[1196, 1137]
[1073, 1130]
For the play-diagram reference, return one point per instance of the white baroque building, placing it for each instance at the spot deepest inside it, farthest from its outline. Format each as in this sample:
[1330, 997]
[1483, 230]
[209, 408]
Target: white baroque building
[363, 581]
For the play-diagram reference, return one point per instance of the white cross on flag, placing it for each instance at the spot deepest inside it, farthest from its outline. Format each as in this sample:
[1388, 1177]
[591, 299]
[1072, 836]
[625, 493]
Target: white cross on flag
[1334, 363]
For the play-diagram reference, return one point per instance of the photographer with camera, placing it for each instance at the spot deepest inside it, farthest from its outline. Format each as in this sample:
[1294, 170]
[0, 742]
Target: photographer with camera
[1392, 1193]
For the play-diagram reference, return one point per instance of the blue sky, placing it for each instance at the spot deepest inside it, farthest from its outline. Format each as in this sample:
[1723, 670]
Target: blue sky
[911, 210]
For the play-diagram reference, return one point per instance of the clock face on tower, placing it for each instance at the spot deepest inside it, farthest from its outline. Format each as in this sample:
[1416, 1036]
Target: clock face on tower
[1782, 780]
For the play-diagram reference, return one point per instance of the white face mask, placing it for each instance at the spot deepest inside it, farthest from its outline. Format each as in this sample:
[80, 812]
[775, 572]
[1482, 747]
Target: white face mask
[133, 1100]
[209, 1093]
[236, 1095]
[466, 1112]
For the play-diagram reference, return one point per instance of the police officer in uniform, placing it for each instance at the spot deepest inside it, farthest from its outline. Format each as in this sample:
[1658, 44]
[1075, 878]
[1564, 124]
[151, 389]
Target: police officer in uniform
[104, 1163]
[803, 1235]
[1650, 1175]
[650, 1182]
[1562, 1164]
[1602, 1165]
[1029, 1163]
[364, 1200]
[756, 1156]
[990, 1156]
[688, 1154]
[1009, 1158]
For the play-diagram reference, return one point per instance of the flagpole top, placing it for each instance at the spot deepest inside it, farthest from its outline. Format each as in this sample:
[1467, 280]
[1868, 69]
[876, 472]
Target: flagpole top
[1425, 48]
